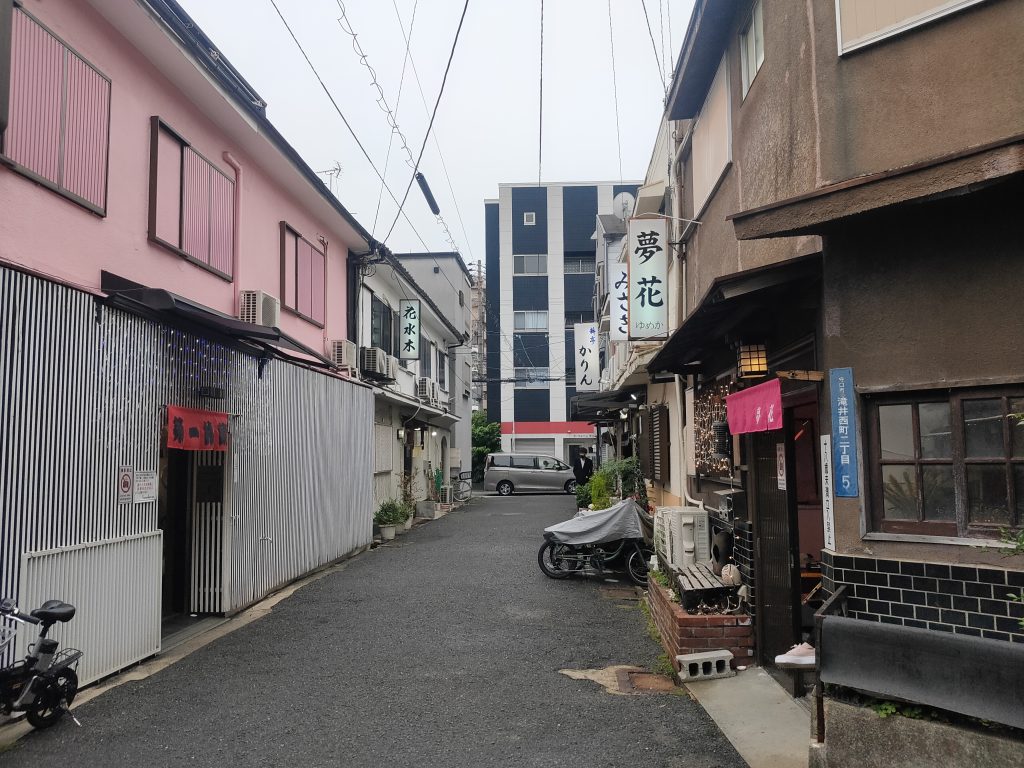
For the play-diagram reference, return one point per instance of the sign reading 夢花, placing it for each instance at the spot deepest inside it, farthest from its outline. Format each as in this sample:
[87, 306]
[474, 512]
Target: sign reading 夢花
[409, 329]
[647, 251]
[588, 364]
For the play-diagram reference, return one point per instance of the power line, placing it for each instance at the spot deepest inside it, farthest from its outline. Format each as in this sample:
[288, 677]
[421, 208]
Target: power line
[661, 31]
[346, 122]
[433, 116]
[654, 47]
[540, 117]
[437, 143]
[615, 89]
[398, 101]
[346, 26]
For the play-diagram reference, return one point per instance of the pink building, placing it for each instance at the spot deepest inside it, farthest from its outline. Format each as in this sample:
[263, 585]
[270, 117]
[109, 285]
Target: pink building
[163, 247]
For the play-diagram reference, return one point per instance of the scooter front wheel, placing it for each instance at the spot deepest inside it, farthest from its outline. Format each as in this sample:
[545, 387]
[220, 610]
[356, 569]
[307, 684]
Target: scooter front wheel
[51, 700]
[553, 561]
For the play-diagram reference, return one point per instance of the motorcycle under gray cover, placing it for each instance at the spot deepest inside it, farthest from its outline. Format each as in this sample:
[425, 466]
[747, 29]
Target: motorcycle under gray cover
[617, 522]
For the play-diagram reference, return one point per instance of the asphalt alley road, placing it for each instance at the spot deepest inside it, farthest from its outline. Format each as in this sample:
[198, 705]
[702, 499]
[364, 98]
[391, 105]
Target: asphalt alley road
[439, 649]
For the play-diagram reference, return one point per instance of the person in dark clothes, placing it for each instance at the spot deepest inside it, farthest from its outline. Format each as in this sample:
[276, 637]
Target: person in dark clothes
[583, 467]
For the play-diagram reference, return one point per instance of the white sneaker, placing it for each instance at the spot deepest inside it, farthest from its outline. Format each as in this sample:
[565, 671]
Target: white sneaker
[801, 655]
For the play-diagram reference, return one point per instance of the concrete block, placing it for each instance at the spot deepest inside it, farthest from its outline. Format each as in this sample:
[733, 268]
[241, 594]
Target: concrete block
[706, 665]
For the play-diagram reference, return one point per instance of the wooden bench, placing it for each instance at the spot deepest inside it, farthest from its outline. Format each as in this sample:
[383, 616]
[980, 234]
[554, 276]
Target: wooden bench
[698, 583]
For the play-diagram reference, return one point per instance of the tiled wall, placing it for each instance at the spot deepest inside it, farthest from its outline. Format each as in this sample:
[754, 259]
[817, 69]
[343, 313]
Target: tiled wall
[947, 598]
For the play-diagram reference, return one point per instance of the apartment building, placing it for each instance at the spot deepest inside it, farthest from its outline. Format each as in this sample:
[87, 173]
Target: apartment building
[541, 262]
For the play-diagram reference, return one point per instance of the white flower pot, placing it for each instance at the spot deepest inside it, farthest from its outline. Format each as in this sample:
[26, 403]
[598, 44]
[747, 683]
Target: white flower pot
[408, 523]
[387, 532]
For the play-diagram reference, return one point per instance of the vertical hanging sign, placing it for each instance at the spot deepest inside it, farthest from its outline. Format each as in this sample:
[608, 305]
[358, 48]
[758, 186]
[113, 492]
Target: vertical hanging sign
[409, 329]
[618, 299]
[844, 419]
[587, 363]
[648, 269]
[827, 504]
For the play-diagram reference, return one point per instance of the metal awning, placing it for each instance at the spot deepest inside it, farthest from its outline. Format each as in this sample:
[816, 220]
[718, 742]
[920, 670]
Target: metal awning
[426, 413]
[163, 304]
[734, 302]
[603, 407]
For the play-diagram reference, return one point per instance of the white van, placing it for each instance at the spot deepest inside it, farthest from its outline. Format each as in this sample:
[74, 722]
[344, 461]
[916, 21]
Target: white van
[510, 472]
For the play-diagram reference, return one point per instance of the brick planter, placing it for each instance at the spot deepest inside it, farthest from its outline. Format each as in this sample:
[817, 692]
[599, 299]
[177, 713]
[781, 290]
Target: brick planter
[682, 632]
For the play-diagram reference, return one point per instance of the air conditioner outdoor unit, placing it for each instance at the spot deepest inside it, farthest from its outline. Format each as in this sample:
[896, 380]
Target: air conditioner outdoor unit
[435, 393]
[689, 536]
[423, 388]
[661, 526]
[259, 308]
[342, 353]
[446, 494]
[374, 361]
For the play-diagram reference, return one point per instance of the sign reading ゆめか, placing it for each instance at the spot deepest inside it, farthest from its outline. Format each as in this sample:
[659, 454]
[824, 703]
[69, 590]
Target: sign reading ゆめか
[409, 329]
[587, 363]
[647, 251]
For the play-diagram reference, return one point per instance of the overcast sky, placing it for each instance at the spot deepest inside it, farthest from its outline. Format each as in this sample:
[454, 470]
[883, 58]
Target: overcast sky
[487, 123]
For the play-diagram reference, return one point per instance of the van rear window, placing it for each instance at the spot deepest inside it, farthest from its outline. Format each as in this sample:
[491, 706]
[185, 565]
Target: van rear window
[499, 461]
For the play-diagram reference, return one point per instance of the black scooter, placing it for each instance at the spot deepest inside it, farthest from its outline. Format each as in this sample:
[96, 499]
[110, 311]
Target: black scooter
[44, 683]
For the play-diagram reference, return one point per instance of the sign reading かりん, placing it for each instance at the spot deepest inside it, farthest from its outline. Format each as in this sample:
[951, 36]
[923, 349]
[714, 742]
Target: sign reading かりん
[588, 365]
[409, 329]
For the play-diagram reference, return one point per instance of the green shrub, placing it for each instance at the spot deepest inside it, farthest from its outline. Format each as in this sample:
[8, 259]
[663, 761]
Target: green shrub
[599, 491]
[391, 512]
[583, 497]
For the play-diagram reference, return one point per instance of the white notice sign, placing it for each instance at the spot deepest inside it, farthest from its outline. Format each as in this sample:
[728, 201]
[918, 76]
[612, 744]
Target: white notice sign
[827, 493]
[780, 465]
[125, 484]
[145, 486]
[647, 252]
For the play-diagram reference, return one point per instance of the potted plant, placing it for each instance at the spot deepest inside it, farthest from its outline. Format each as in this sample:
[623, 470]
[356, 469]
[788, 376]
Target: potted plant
[388, 516]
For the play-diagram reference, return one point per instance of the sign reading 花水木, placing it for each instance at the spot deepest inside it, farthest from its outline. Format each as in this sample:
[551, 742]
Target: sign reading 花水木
[409, 329]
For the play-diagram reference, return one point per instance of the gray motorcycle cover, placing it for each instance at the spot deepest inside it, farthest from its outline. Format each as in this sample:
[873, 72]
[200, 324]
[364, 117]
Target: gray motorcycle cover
[619, 521]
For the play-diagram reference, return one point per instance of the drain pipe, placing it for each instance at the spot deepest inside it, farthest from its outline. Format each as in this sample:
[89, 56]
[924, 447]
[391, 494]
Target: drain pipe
[236, 227]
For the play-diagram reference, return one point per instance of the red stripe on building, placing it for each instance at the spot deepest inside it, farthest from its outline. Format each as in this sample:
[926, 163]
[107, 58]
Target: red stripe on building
[546, 428]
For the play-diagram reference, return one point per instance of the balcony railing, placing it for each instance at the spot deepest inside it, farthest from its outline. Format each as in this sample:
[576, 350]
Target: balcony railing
[575, 267]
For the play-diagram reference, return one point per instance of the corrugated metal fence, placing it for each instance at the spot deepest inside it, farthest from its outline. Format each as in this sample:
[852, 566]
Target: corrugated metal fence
[82, 393]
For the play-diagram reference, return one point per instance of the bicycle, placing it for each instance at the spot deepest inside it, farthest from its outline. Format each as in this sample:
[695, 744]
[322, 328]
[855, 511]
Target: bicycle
[463, 488]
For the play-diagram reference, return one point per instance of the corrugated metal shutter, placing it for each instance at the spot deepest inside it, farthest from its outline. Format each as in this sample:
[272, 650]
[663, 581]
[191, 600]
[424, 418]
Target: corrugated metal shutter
[658, 444]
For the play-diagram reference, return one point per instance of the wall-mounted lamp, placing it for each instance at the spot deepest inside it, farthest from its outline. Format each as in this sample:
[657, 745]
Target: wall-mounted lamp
[401, 433]
[433, 433]
[751, 361]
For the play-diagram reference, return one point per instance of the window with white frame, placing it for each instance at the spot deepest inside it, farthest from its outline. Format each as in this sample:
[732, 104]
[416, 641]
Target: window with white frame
[442, 370]
[530, 264]
[531, 320]
[529, 218]
[711, 151]
[752, 46]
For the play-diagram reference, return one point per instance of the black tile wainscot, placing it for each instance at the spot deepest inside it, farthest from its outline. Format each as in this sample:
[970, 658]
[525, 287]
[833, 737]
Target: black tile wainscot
[967, 600]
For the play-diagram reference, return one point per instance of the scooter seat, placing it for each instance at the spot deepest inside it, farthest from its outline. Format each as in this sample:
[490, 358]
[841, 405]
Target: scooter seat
[54, 610]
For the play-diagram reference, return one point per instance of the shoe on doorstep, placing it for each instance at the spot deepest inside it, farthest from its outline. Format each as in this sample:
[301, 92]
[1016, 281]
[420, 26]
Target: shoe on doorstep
[801, 655]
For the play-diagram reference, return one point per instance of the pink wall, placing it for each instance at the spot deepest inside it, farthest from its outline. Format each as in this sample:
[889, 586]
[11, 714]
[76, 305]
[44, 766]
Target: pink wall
[47, 233]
